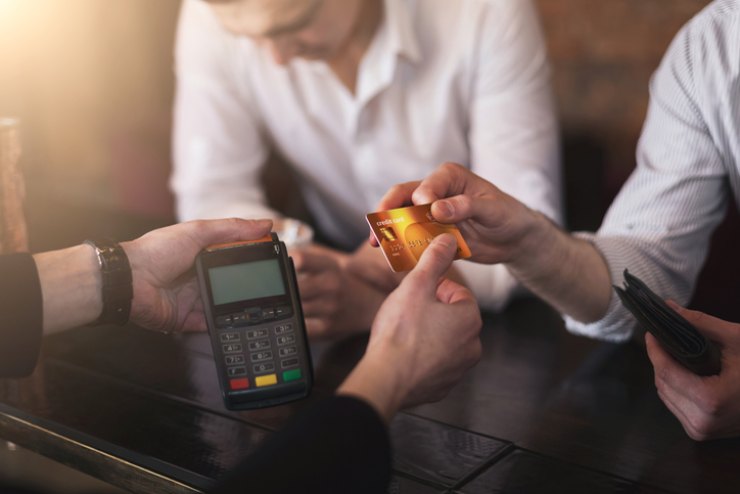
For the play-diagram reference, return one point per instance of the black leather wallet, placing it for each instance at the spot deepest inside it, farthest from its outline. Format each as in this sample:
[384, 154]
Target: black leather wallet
[677, 336]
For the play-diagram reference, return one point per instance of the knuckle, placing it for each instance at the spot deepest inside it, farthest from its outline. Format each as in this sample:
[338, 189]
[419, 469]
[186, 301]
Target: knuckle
[710, 404]
[395, 190]
[298, 259]
[462, 202]
[450, 167]
[416, 197]
[700, 429]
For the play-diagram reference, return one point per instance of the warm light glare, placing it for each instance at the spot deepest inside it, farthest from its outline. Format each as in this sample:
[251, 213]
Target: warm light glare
[7, 7]
[11, 11]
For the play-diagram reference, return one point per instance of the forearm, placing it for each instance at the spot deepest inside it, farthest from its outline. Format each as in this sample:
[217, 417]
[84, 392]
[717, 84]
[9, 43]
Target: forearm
[70, 287]
[375, 381]
[567, 272]
[218, 152]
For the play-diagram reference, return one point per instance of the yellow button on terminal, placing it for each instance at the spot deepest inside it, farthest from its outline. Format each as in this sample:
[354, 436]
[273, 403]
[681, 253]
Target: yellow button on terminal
[267, 380]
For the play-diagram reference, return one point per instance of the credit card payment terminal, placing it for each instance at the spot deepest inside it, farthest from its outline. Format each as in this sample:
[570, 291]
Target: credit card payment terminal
[255, 322]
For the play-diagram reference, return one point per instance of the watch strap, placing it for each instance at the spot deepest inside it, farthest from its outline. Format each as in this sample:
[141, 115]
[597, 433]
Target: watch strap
[117, 286]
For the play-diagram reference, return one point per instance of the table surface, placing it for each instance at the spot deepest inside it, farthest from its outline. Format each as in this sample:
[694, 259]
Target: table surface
[544, 411]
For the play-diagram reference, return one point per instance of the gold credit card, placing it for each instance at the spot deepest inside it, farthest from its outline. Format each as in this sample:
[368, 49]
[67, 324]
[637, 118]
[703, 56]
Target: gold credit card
[405, 233]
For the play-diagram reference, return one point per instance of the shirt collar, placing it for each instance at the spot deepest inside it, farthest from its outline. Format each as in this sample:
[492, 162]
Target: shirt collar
[401, 35]
[395, 34]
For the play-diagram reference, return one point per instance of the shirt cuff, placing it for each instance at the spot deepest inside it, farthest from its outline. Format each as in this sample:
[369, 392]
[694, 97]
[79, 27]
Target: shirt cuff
[617, 324]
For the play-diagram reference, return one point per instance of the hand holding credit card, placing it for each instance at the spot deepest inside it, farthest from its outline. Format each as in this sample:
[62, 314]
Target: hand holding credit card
[404, 233]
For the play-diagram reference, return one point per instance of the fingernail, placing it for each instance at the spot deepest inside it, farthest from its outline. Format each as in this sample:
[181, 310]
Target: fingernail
[447, 240]
[445, 208]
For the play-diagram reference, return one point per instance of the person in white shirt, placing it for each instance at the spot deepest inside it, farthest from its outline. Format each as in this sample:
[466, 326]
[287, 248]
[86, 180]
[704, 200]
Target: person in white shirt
[659, 226]
[358, 95]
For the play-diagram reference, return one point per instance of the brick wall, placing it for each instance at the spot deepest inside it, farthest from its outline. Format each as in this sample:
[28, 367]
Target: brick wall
[603, 53]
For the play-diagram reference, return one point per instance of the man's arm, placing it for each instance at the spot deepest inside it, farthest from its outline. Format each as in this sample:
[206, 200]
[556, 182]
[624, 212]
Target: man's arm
[58, 290]
[71, 287]
[513, 131]
[428, 329]
[166, 294]
[660, 225]
[567, 272]
[218, 148]
[425, 337]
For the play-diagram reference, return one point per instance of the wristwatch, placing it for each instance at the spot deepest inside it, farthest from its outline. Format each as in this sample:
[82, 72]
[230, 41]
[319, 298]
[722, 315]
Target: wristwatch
[117, 290]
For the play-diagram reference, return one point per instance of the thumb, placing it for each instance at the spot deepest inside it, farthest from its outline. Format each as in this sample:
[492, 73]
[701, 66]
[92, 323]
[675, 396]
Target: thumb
[208, 232]
[713, 328]
[434, 263]
[456, 209]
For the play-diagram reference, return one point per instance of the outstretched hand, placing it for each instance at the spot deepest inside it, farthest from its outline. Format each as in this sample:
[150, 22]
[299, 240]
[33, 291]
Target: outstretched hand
[493, 223]
[166, 294]
[424, 338]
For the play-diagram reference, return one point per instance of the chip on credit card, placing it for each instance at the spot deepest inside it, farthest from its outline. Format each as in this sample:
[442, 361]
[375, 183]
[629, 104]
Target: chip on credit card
[404, 233]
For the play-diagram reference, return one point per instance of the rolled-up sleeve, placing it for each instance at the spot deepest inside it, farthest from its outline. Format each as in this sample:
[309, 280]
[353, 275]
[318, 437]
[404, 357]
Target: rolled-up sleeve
[660, 225]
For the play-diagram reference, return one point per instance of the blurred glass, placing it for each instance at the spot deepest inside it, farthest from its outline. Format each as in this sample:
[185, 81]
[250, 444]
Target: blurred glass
[293, 232]
[13, 232]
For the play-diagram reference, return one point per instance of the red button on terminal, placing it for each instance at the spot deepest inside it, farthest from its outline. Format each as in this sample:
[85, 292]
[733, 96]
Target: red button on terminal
[241, 383]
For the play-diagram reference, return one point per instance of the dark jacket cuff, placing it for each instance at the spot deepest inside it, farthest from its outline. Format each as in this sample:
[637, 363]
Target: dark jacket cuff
[21, 315]
[339, 445]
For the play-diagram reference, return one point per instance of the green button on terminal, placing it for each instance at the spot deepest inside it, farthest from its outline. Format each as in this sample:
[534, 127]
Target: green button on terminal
[292, 375]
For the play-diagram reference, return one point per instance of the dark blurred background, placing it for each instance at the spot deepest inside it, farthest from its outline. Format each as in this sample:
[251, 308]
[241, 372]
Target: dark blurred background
[92, 83]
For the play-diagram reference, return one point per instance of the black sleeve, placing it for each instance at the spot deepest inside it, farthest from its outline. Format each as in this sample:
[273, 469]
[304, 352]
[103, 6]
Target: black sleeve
[20, 315]
[340, 445]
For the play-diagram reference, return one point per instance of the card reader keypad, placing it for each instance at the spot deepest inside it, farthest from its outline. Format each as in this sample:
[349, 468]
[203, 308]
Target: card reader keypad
[270, 349]
[253, 316]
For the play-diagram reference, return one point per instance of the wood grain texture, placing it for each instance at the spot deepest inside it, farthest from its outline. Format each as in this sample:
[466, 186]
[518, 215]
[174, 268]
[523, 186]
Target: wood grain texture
[541, 402]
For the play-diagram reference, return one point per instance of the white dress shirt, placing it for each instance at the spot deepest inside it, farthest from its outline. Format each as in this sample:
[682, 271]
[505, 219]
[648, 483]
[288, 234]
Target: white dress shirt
[442, 80]
[688, 168]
